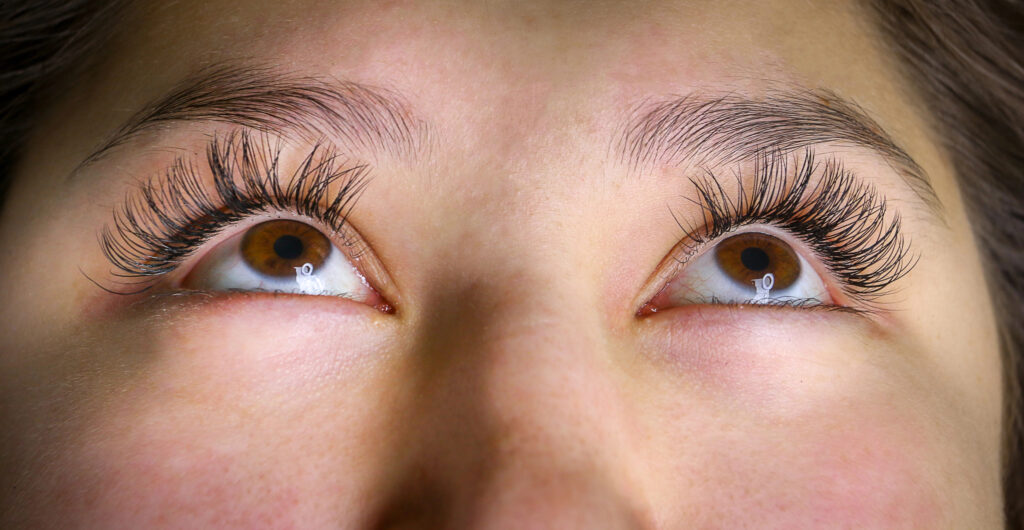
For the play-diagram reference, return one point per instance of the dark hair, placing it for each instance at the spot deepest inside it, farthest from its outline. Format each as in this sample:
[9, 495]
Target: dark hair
[42, 41]
[964, 58]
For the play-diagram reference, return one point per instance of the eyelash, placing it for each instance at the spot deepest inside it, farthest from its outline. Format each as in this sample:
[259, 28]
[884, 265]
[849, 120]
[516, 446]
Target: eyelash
[842, 219]
[158, 228]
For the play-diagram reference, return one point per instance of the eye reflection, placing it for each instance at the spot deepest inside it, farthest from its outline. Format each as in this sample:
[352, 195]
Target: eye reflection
[750, 256]
[745, 268]
[277, 248]
[282, 255]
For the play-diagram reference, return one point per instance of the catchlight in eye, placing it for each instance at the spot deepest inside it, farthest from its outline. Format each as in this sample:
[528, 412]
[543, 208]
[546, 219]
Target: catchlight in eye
[748, 257]
[749, 267]
[281, 255]
[276, 248]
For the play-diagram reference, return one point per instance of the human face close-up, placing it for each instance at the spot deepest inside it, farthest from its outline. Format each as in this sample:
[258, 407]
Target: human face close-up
[494, 264]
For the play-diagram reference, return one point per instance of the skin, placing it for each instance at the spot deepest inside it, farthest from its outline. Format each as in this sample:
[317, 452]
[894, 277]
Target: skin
[515, 385]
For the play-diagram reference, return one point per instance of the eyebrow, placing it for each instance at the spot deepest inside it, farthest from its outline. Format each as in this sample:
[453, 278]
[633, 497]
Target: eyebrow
[264, 99]
[734, 127]
[692, 128]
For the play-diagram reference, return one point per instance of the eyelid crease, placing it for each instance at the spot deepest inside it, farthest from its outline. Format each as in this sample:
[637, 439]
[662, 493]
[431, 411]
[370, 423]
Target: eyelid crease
[722, 129]
[160, 225]
[841, 219]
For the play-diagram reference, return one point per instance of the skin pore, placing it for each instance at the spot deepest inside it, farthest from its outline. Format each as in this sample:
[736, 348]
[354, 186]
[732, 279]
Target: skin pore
[515, 383]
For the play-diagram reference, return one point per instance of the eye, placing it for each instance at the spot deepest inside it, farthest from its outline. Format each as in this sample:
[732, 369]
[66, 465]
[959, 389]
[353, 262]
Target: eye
[281, 255]
[744, 268]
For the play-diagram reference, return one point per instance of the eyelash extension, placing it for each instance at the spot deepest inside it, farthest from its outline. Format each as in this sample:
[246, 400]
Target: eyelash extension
[169, 217]
[841, 218]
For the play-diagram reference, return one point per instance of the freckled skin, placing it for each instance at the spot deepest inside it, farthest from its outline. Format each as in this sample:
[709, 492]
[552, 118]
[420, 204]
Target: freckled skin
[514, 385]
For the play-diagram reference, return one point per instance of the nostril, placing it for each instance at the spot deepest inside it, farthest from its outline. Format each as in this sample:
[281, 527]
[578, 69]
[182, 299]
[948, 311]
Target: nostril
[422, 504]
[416, 504]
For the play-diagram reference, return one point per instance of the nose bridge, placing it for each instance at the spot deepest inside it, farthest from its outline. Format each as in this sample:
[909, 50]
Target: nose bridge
[537, 382]
[530, 361]
[551, 413]
[521, 416]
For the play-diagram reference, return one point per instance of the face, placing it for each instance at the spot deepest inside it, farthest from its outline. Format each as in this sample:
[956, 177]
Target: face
[582, 265]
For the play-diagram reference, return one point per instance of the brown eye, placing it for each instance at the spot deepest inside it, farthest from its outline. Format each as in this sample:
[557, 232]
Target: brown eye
[749, 268]
[750, 256]
[276, 248]
[284, 256]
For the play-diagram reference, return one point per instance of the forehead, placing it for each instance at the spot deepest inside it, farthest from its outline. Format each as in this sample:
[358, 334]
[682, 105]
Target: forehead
[465, 65]
[535, 83]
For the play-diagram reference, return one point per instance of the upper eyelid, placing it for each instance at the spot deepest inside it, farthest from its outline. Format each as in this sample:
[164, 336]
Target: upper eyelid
[163, 222]
[884, 260]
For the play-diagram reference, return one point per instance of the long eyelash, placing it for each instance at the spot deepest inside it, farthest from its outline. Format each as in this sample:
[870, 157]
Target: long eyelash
[168, 218]
[841, 218]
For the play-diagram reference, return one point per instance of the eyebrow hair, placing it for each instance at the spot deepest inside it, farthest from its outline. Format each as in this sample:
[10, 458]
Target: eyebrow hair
[734, 127]
[264, 99]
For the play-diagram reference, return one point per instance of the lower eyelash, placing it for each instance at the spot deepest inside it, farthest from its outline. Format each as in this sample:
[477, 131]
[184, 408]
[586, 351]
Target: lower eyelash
[169, 217]
[841, 218]
[791, 303]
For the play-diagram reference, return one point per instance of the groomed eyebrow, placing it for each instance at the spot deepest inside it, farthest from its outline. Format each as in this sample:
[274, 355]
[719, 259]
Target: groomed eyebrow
[264, 99]
[707, 131]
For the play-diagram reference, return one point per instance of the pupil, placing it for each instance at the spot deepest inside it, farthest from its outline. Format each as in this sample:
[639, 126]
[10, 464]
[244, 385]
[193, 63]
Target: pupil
[754, 258]
[290, 247]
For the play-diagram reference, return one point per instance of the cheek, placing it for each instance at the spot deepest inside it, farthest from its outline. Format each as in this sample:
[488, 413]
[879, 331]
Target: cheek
[871, 475]
[194, 479]
[862, 474]
[768, 431]
[241, 461]
[224, 429]
[859, 466]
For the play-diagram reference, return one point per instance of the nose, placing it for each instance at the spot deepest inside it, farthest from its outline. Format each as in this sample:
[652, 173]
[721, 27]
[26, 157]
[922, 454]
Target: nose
[520, 420]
